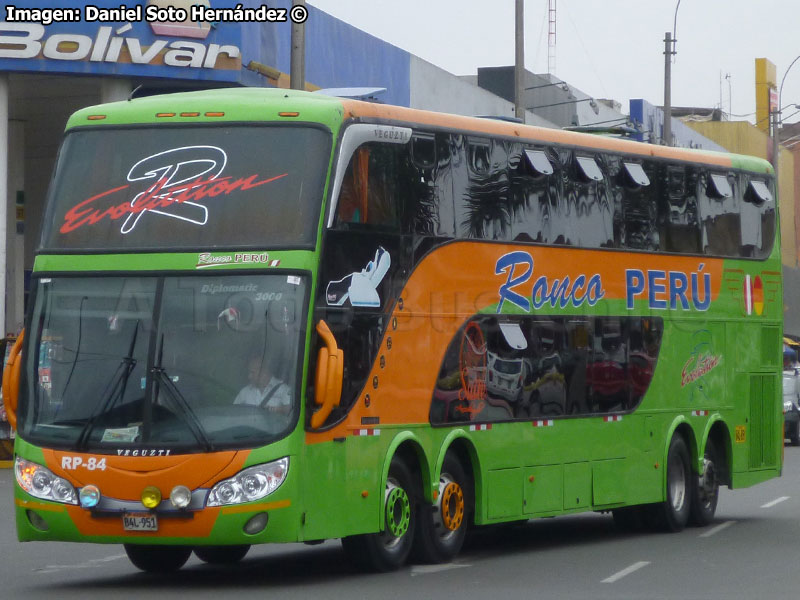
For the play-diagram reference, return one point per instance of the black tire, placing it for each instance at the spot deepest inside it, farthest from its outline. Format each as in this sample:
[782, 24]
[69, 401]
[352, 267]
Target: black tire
[388, 550]
[158, 559]
[442, 526]
[221, 555]
[706, 488]
[673, 513]
[794, 434]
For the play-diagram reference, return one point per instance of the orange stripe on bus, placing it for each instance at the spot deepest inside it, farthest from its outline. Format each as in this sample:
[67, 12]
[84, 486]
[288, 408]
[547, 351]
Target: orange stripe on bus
[45, 506]
[457, 281]
[356, 109]
[263, 506]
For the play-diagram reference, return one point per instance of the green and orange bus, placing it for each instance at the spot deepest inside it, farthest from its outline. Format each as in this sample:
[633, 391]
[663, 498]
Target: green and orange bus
[270, 316]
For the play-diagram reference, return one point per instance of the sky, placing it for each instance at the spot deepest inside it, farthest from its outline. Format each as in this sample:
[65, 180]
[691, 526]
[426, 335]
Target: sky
[606, 48]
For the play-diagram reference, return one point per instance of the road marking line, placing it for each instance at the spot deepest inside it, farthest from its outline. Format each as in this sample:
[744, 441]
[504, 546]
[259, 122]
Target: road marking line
[717, 529]
[626, 572]
[774, 502]
[91, 563]
[428, 569]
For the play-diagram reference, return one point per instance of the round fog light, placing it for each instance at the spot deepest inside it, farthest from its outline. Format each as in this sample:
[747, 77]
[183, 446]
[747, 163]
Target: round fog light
[256, 524]
[180, 496]
[89, 496]
[151, 496]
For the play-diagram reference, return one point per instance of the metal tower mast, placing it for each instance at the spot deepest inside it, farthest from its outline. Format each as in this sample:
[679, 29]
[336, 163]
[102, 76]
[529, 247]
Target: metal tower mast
[551, 36]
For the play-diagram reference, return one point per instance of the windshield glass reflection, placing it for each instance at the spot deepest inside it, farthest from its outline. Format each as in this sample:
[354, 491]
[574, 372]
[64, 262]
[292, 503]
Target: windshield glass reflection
[177, 364]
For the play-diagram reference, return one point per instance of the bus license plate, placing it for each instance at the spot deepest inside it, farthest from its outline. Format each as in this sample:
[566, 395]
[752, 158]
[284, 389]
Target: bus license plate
[140, 522]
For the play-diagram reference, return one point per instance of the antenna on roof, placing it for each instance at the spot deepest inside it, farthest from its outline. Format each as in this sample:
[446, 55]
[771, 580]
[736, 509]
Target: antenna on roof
[133, 92]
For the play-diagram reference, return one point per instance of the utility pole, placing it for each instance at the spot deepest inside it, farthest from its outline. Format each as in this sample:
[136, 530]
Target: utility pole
[668, 52]
[297, 74]
[776, 147]
[519, 62]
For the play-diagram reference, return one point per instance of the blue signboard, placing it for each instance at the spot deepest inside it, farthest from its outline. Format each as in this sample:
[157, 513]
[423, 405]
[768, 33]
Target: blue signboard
[146, 39]
[134, 39]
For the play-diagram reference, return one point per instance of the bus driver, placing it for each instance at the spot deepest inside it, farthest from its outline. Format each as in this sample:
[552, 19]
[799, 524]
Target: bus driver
[264, 389]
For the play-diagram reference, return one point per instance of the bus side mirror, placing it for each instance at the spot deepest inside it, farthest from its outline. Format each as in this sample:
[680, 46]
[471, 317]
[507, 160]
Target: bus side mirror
[11, 374]
[329, 376]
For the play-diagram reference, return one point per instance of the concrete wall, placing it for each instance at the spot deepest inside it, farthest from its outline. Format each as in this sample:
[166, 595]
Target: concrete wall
[550, 98]
[433, 88]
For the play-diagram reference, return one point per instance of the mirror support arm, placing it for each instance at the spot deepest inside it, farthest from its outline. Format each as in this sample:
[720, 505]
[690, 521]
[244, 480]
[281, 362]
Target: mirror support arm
[329, 376]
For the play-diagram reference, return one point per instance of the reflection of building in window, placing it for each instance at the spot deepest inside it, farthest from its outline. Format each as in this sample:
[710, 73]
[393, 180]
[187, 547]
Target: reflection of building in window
[719, 213]
[678, 211]
[565, 365]
[608, 372]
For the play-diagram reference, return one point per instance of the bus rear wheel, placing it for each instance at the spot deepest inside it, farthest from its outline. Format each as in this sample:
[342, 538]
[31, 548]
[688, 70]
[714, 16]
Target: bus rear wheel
[442, 527]
[221, 555]
[673, 513]
[158, 559]
[388, 550]
[706, 488]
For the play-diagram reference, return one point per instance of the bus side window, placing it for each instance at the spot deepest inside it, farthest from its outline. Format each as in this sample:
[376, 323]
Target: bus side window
[535, 184]
[608, 371]
[352, 205]
[431, 191]
[581, 220]
[718, 198]
[369, 193]
[482, 191]
[758, 217]
[638, 183]
[645, 341]
[679, 229]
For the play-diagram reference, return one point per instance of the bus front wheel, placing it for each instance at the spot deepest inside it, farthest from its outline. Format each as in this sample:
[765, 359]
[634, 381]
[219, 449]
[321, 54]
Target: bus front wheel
[442, 527]
[388, 550]
[158, 559]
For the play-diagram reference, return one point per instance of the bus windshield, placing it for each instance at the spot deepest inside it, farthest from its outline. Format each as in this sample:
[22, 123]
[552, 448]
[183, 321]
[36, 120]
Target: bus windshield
[191, 187]
[169, 364]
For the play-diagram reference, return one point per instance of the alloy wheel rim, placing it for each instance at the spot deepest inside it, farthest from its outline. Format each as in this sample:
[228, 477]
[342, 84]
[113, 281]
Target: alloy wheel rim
[398, 511]
[677, 485]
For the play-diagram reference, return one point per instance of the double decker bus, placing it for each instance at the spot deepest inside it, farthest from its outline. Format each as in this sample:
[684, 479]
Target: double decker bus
[266, 316]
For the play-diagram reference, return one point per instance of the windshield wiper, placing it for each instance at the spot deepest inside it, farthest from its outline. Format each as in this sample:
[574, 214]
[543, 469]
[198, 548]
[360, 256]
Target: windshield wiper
[115, 390]
[77, 349]
[179, 401]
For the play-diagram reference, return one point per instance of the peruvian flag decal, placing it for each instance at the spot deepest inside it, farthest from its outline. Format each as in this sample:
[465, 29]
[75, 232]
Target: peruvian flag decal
[753, 295]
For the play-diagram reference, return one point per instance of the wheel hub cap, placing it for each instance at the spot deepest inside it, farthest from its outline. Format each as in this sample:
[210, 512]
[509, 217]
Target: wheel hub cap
[398, 512]
[452, 506]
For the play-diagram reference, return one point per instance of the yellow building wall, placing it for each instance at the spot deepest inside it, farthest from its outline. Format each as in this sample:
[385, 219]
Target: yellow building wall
[742, 137]
[766, 80]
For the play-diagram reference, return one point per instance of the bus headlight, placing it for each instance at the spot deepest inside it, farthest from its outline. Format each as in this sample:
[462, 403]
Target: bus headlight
[249, 484]
[40, 482]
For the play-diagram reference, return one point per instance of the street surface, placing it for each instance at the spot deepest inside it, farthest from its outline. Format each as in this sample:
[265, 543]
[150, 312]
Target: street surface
[750, 551]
